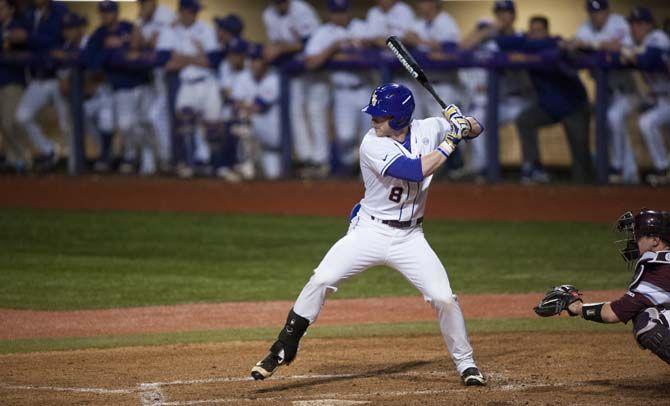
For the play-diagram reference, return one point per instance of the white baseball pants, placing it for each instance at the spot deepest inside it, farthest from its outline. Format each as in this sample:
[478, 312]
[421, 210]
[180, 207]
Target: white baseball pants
[621, 154]
[509, 109]
[350, 121]
[370, 243]
[267, 129]
[651, 122]
[318, 103]
[36, 96]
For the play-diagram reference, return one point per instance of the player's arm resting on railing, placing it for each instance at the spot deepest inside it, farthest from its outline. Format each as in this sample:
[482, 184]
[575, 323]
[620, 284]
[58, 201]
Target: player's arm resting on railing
[315, 61]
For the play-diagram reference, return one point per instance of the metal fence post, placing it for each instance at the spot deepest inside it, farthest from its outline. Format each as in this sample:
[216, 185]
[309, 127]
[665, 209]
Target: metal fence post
[602, 153]
[76, 161]
[285, 120]
[492, 136]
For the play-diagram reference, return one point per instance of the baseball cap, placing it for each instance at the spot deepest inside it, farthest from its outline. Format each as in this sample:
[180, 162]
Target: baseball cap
[504, 5]
[238, 46]
[231, 23]
[108, 6]
[193, 5]
[597, 5]
[338, 6]
[641, 14]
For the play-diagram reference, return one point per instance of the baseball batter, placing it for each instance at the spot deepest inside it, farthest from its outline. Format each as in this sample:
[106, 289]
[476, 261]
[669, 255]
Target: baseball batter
[647, 301]
[398, 157]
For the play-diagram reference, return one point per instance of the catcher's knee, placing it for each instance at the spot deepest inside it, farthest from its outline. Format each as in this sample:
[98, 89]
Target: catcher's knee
[288, 340]
[652, 332]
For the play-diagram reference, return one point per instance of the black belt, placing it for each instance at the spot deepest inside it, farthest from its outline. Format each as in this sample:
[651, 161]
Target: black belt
[400, 224]
[194, 81]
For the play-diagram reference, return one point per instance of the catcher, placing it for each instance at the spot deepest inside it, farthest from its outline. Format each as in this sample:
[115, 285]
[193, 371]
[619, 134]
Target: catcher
[647, 301]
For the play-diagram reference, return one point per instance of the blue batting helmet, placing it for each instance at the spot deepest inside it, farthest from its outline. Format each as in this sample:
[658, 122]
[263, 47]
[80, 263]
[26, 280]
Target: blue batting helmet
[392, 100]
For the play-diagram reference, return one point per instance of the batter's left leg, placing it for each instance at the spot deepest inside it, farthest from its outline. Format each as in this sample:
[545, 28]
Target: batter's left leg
[417, 261]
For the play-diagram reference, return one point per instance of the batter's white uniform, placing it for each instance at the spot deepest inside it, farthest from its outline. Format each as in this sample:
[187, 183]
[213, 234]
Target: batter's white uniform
[622, 101]
[441, 29]
[348, 88]
[198, 89]
[265, 126]
[162, 18]
[297, 24]
[653, 120]
[370, 243]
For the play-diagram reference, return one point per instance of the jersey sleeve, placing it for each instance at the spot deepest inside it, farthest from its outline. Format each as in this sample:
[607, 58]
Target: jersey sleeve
[166, 40]
[447, 30]
[629, 305]
[269, 89]
[584, 33]
[318, 42]
[271, 26]
[378, 155]
[306, 20]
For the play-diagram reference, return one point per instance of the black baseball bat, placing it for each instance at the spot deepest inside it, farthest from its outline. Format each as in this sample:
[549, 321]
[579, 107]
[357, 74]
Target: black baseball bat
[412, 66]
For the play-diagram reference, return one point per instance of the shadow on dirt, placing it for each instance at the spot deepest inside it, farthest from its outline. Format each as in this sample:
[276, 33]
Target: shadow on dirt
[393, 369]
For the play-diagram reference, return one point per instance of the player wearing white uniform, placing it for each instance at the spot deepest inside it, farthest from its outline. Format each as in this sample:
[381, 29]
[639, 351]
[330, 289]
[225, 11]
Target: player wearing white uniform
[398, 157]
[332, 41]
[515, 87]
[435, 29]
[609, 32]
[255, 94]
[652, 45]
[153, 18]
[392, 17]
[289, 24]
[194, 52]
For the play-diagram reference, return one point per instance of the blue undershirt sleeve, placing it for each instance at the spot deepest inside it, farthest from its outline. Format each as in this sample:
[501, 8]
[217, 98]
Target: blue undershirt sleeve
[406, 169]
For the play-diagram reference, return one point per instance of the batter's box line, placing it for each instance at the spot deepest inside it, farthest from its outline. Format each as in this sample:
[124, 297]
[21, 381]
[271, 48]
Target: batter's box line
[101, 391]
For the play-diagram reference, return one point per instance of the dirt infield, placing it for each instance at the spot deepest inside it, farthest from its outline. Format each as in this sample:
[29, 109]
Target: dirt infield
[27, 324]
[522, 368]
[448, 200]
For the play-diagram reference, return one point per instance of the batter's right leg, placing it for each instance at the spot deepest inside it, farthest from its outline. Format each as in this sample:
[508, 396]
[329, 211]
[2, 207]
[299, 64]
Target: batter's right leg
[364, 246]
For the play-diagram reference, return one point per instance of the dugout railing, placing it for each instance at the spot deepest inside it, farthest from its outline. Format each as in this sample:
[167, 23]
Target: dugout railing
[387, 66]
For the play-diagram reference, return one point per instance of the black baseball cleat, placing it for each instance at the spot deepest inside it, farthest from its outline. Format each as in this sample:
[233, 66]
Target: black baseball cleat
[266, 367]
[472, 377]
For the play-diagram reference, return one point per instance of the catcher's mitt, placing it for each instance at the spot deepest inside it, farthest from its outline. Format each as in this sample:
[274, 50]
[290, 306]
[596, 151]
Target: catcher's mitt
[558, 299]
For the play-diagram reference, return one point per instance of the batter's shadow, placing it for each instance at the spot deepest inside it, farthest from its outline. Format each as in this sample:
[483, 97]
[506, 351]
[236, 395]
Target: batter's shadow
[393, 369]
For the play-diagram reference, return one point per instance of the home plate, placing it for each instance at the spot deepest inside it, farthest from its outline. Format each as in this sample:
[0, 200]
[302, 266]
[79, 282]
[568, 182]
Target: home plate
[329, 402]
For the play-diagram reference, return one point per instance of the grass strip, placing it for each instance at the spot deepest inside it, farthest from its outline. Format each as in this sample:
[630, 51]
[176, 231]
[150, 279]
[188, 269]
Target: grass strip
[475, 326]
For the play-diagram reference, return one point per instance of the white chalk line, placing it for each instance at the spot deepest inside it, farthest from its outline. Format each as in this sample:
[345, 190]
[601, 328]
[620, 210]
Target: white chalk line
[102, 391]
[151, 395]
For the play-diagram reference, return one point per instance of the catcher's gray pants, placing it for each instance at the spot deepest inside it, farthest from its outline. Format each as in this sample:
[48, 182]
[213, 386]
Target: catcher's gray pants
[370, 243]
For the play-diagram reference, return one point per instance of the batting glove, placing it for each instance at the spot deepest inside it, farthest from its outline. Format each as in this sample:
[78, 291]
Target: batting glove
[452, 111]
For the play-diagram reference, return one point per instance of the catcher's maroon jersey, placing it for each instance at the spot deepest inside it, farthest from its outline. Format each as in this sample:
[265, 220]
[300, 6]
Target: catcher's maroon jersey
[650, 286]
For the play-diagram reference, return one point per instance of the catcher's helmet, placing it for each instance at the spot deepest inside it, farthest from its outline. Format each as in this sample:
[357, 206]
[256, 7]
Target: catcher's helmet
[392, 100]
[647, 222]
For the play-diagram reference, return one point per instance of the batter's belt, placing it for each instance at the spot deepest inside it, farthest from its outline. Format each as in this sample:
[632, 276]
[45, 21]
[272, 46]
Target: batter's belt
[399, 224]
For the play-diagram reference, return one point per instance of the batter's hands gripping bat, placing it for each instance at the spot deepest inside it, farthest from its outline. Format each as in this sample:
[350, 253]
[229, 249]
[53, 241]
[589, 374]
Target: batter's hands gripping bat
[408, 61]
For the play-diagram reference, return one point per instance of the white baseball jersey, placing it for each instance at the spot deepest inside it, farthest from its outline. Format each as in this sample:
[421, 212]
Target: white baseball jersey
[389, 198]
[246, 88]
[616, 27]
[186, 41]
[397, 21]
[298, 23]
[658, 81]
[330, 33]
[163, 17]
[442, 29]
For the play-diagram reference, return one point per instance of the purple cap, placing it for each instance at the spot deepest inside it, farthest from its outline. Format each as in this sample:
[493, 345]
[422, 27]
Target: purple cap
[193, 5]
[338, 6]
[108, 6]
[641, 14]
[231, 23]
[596, 5]
[504, 5]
